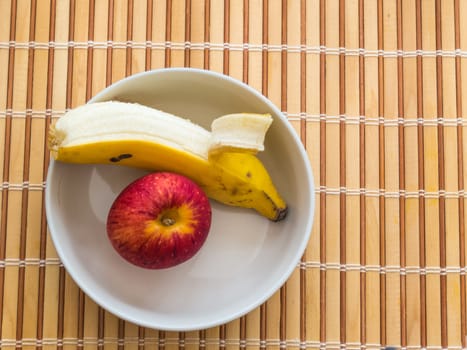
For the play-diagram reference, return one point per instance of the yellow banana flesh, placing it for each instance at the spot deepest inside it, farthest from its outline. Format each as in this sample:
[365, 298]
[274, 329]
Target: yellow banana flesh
[138, 136]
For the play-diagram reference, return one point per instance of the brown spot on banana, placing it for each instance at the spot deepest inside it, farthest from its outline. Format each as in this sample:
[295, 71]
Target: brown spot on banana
[120, 157]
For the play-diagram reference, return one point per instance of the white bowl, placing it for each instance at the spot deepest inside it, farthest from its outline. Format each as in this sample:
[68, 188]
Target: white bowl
[246, 257]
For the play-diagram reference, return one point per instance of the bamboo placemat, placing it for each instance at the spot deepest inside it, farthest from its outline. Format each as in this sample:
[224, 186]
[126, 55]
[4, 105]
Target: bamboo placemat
[376, 91]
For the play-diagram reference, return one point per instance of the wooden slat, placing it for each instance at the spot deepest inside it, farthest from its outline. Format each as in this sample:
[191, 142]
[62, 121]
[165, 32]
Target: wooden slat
[460, 179]
[350, 242]
[362, 174]
[371, 169]
[25, 300]
[312, 144]
[411, 254]
[390, 143]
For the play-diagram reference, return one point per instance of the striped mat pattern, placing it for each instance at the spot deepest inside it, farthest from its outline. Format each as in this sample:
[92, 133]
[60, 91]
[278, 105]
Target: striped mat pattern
[376, 91]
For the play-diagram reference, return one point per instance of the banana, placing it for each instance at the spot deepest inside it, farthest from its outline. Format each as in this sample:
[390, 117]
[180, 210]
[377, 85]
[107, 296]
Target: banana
[135, 135]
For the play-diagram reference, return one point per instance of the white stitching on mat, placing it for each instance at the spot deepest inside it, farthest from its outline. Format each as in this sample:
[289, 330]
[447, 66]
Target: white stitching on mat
[377, 121]
[330, 266]
[309, 117]
[231, 46]
[388, 269]
[42, 114]
[330, 191]
[22, 186]
[294, 343]
[302, 265]
[390, 194]
[30, 262]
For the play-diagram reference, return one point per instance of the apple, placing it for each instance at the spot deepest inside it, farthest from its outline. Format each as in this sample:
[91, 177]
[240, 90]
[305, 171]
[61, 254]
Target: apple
[160, 220]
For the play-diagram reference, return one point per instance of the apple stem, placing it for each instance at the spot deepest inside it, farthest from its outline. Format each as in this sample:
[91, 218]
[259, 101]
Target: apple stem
[168, 221]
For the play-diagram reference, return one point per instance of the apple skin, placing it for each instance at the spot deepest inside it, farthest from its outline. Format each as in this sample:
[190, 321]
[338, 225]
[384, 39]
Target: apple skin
[159, 221]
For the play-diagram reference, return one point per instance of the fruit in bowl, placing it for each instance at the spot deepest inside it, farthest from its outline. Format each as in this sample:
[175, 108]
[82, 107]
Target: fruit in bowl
[222, 161]
[160, 220]
[245, 259]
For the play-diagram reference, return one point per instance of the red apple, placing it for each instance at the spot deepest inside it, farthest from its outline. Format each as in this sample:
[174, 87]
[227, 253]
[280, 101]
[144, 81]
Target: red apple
[159, 220]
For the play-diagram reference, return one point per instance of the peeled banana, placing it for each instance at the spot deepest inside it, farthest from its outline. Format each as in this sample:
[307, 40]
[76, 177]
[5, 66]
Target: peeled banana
[223, 164]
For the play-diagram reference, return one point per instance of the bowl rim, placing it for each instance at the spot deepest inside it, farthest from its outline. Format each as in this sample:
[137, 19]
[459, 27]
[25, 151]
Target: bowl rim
[246, 308]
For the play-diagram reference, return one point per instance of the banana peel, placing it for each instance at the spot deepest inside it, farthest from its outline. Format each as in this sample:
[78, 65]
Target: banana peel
[224, 165]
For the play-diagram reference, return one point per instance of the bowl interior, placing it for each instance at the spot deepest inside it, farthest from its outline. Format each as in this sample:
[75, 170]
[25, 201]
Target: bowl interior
[245, 259]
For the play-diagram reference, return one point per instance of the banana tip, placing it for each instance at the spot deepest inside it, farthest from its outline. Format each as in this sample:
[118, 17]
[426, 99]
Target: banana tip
[281, 214]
